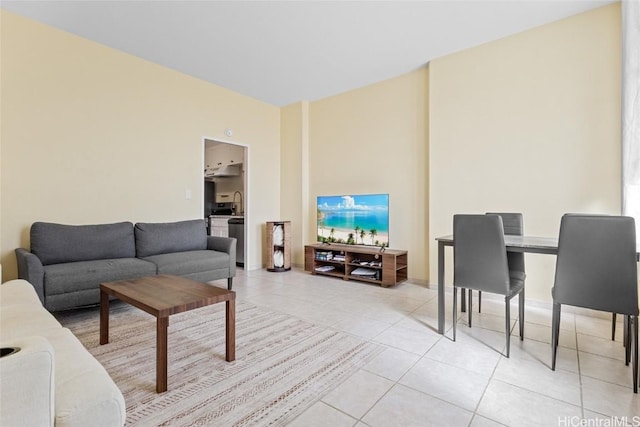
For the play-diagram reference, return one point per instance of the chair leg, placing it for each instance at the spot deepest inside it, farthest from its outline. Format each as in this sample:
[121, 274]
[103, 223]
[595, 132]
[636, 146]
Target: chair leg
[521, 314]
[627, 339]
[479, 301]
[613, 326]
[463, 301]
[507, 313]
[455, 310]
[555, 331]
[229, 283]
[634, 336]
[625, 331]
[469, 307]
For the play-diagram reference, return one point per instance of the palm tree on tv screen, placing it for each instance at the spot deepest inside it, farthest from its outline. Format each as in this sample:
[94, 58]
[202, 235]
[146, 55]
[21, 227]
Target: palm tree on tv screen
[362, 234]
[373, 232]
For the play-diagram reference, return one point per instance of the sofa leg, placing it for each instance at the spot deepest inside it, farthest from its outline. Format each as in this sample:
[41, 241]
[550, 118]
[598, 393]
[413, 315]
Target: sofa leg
[229, 283]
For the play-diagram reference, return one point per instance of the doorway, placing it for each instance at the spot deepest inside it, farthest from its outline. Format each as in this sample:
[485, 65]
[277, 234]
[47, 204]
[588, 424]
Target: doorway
[225, 195]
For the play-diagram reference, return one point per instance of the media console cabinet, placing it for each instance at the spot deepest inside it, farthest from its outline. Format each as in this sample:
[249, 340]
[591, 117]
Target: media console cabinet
[366, 264]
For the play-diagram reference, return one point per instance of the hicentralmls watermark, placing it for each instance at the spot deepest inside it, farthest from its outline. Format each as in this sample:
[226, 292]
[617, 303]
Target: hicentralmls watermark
[577, 421]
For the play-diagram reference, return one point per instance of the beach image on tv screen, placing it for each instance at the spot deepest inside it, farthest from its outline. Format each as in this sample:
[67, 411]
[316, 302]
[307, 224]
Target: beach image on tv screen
[354, 219]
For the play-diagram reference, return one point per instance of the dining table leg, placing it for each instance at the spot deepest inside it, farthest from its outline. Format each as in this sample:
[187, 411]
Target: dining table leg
[441, 288]
[463, 301]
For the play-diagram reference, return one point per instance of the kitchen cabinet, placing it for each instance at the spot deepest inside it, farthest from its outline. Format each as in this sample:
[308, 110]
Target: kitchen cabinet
[219, 226]
[223, 155]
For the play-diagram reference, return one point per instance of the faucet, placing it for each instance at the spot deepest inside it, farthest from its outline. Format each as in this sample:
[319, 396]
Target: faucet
[234, 201]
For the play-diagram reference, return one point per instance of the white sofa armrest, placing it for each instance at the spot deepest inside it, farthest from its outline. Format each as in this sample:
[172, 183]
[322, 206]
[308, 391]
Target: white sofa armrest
[27, 383]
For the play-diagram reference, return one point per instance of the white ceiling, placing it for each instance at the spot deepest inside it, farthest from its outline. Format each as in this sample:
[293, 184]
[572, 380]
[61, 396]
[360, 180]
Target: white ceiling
[282, 52]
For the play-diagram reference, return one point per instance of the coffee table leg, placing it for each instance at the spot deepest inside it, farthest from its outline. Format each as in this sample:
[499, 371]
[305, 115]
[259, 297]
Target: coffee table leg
[161, 354]
[104, 317]
[231, 330]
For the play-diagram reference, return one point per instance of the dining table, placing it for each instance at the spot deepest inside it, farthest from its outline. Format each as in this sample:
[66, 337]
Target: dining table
[513, 243]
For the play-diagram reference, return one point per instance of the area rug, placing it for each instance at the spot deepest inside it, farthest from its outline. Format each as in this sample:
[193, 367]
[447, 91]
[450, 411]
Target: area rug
[283, 364]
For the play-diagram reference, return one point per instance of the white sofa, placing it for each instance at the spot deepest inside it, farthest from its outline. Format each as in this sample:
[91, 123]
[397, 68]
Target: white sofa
[53, 379]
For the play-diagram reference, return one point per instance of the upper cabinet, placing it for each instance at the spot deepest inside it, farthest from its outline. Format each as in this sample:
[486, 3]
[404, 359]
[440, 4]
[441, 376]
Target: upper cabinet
[223, 155]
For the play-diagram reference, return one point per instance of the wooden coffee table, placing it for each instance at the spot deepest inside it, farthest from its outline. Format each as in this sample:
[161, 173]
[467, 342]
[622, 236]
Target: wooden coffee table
[162, 296]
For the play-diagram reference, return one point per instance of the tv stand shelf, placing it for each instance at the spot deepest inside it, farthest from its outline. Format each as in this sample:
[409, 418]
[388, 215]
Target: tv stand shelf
[350, 262]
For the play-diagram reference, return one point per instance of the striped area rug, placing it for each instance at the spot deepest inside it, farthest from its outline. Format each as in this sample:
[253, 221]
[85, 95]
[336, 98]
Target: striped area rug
[283, 364]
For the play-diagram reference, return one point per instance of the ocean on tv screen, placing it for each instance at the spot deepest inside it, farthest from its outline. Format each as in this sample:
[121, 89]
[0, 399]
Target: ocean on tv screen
[354, 219]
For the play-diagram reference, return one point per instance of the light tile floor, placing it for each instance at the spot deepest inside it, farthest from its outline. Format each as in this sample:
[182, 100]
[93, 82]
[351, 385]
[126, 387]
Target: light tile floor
[423, 378]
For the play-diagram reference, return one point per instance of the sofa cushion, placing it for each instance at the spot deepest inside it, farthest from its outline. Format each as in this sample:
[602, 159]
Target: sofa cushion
[85, 393]
[164, 238]
[20, 320]
[184, 263]
[22, 313]
[18, 291]
[85, 275]
[58, 243]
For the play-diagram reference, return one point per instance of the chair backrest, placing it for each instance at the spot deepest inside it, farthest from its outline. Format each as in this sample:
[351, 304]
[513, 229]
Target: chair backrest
[513, 225]
[479, 253]
[596, 266]
[512, 222]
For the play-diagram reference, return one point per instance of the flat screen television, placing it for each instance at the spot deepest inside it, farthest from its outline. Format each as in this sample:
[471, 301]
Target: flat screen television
[361, 219]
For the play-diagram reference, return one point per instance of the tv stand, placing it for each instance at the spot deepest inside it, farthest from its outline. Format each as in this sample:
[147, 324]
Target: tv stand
[382, 266]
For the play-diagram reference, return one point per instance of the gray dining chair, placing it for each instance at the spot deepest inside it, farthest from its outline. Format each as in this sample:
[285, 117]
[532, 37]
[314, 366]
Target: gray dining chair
[480, 263]
[596, 269]
[513, 225]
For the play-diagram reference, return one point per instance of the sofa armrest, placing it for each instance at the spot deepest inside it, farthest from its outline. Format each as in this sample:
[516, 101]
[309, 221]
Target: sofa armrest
[226, 245]
[27, 383]
[30, 269]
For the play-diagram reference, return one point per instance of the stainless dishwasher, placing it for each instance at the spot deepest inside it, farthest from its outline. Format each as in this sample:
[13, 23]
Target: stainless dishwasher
[236, 229]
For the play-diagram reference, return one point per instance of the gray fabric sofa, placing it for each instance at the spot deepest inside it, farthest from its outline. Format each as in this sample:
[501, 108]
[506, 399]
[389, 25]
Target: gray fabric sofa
[67, 263]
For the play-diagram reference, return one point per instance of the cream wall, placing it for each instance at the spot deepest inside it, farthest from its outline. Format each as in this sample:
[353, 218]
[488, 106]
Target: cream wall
[294, 179]
[90, 134]
[374, 140]
[531, 124]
